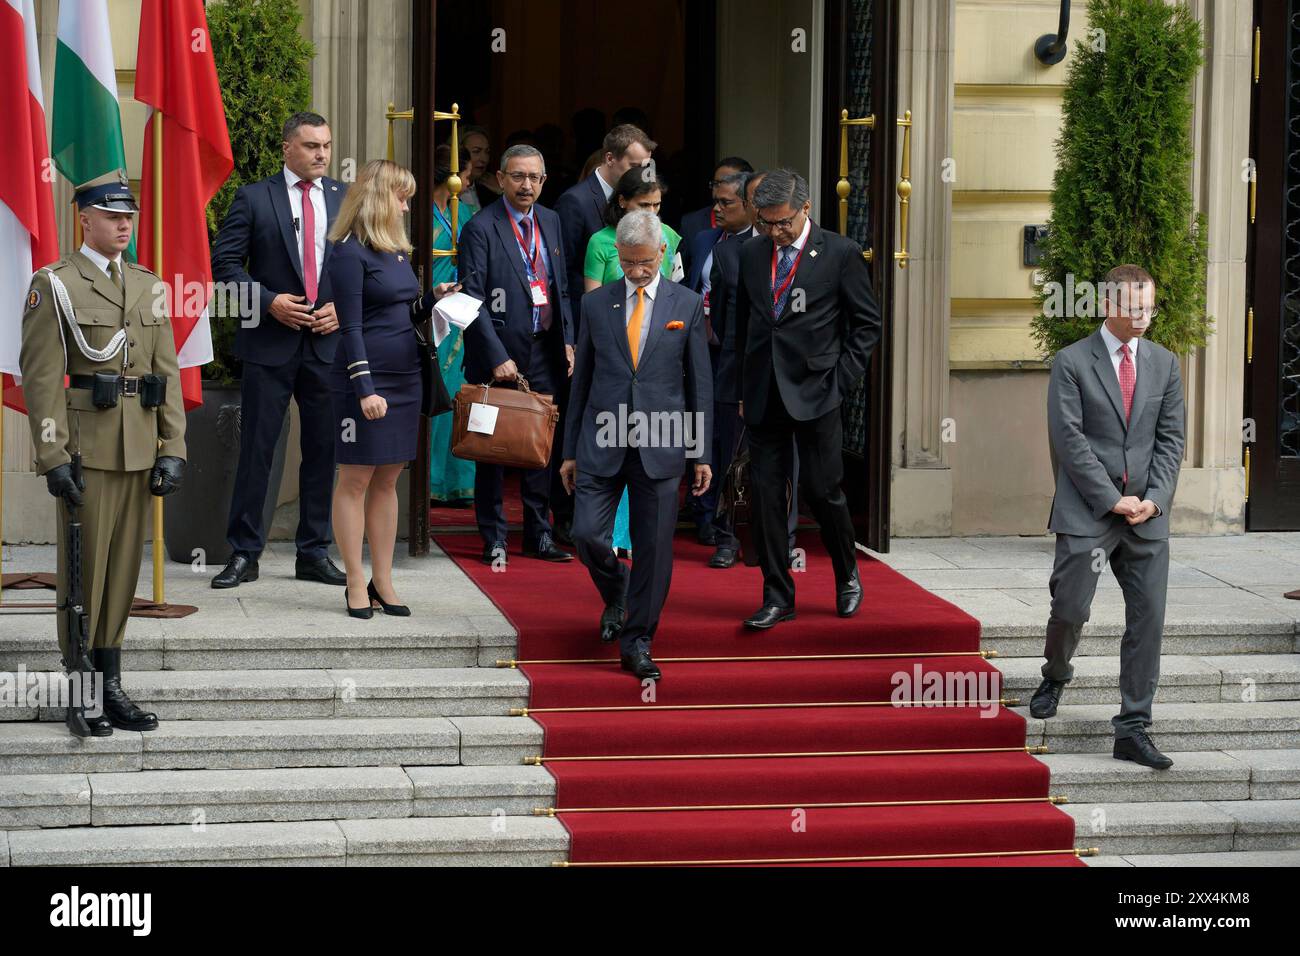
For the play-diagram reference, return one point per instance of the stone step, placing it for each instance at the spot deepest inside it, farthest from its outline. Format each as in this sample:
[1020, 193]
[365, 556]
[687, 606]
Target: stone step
[35, 748]
[1231, 678]
[274, 694]
[1086, 728]
[1287, 858]
[449, 841]
[498, 741]
[152, 797]
[457, 641]
[1200, 639]
[1205, 776]
[1186, 826]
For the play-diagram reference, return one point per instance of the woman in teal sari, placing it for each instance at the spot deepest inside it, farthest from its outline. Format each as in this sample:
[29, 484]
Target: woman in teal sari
[451, 479]
[633, 192]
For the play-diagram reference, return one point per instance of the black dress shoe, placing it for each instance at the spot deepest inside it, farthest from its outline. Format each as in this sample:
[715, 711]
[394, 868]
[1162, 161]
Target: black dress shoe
[238, 569]
[1140, 749]
[611, 622]
[492, 553]
[769, 615]
[547, 551]
[396, 610]
[641, 666]
[724, 557]
[118, 707]
[1043, 704]
[848, 597]
[364, 613]
[321, 569]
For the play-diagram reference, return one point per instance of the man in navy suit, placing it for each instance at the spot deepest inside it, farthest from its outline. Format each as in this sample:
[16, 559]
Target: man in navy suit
[581, 209]
[642, 405]
[703, 219]
[512, 258]
[274, 239]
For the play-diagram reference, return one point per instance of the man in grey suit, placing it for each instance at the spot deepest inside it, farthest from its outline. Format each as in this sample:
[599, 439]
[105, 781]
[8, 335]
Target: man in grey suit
[641, 404]
[1115, 415]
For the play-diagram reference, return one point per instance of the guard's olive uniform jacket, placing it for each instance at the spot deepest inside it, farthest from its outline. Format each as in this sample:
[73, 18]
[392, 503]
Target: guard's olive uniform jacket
[122, 438]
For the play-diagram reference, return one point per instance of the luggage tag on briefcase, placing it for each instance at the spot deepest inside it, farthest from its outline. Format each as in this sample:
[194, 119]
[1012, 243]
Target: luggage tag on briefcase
[482, 418]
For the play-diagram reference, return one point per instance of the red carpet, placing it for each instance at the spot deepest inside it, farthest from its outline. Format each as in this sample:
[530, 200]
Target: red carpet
[761, 760]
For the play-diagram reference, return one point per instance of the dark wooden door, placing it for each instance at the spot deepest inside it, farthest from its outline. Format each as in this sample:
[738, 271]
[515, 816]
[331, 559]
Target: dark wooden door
[860, 67]
[1273, 276]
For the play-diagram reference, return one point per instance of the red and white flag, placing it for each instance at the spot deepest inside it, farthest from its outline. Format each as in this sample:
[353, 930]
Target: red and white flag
[28, 239]
[176, 75]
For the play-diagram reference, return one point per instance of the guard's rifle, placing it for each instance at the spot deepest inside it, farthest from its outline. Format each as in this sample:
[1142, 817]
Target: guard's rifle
[77, 655]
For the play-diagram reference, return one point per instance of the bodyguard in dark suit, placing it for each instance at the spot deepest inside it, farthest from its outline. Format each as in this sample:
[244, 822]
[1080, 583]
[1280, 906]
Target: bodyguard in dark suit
[274, 235]
[806, 322]
[1115, 416]
[642, 404]
[512, 258]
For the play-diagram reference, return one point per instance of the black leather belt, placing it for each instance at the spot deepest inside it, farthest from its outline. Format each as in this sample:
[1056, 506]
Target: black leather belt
[126, 384]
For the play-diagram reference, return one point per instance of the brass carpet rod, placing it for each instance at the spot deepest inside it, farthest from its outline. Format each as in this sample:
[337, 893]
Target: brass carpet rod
[763, 657]
[526, 711]
[1073, 851]
[538, 761]
[1054, 800]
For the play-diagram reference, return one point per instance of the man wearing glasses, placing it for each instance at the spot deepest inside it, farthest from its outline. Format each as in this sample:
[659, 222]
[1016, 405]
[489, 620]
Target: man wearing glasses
[806, 322]
[512, 258]
[1115, 417]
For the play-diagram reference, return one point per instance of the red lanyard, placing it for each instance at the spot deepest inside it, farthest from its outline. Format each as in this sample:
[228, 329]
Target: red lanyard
[777, 293]
[535, 253]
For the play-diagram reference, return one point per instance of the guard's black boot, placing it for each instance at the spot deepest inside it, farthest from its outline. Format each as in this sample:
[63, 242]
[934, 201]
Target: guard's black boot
[121, 710]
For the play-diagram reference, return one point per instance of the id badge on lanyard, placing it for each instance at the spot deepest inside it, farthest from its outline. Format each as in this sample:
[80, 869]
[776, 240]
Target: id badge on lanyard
[533, 257]
[539, 292]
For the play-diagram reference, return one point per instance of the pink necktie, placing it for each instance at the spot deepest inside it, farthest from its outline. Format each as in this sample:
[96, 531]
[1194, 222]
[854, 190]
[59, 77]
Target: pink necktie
[308, 241]
[1127, 382]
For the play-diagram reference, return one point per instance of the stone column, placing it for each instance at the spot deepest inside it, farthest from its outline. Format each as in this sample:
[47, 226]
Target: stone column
[922, 481]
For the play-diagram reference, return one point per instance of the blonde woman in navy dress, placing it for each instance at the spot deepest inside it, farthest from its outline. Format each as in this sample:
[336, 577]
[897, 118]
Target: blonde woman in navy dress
[375, 383]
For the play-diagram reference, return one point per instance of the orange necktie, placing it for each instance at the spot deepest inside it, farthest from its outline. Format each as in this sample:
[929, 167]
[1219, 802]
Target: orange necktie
[634, 324]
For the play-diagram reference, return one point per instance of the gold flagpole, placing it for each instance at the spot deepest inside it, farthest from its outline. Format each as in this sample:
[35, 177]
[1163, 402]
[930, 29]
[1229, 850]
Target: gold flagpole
[158, 597]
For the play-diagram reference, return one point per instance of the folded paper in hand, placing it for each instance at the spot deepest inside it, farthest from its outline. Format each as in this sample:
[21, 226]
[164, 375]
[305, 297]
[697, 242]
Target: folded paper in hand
[457, 309]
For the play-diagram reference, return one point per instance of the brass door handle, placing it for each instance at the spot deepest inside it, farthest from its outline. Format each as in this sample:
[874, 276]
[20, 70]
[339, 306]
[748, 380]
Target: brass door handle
[843, 188]
[904, 190]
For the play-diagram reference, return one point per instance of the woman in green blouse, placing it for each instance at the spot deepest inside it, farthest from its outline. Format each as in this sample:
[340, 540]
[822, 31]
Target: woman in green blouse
[634, 191]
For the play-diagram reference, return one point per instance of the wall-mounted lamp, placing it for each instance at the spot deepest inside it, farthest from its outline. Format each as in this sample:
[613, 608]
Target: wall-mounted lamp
[1050, 47]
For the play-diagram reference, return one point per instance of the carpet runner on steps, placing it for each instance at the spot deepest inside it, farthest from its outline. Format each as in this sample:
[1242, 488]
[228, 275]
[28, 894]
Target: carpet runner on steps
[787, 747]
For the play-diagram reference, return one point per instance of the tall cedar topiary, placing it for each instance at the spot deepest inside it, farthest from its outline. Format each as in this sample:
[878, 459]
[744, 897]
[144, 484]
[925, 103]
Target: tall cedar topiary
[1122, 191]
[264, 67]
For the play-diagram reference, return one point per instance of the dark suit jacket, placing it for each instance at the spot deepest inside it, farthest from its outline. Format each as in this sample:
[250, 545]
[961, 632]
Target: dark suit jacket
[700, 246]
[723, 278]
[1094, 446]
[257, 243]
[820, 345]
[581, 210]
[672, 375]
[494, 270]
[693, 223]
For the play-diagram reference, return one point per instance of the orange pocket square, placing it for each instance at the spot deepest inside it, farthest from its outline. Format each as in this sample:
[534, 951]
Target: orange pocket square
[674, 325]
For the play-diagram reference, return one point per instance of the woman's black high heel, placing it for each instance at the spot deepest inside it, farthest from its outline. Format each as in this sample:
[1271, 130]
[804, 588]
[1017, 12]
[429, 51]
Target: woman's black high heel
[396, 610]
[365, 613]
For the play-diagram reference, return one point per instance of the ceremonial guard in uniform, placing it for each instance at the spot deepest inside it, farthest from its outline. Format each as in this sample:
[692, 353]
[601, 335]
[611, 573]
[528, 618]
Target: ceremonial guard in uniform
[114, 436]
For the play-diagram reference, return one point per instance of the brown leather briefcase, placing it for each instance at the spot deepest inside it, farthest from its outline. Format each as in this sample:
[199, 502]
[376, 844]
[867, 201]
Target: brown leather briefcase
[524, 429]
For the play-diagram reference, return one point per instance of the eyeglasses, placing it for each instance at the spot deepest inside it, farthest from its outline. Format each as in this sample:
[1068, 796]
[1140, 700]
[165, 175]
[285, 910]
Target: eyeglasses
[535, 178]
[776, 224]
[726, 203]
[1148, 314]
[637, 263]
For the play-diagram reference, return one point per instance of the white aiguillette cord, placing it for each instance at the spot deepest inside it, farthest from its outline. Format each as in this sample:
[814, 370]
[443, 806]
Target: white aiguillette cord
[63, 305]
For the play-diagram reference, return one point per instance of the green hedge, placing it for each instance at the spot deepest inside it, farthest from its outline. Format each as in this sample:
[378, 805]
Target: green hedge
[1122, 190]
[264, 67]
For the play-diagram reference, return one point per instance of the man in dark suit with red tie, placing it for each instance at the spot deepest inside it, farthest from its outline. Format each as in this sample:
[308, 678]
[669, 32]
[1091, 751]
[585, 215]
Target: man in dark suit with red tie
[806, 322]
[273, 239]
[512, 258]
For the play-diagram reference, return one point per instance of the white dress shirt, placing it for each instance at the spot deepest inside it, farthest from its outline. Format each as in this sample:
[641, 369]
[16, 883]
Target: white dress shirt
[1113, 347]
[292, 180]
[605, 187]
[648, 308]
[102, 261]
